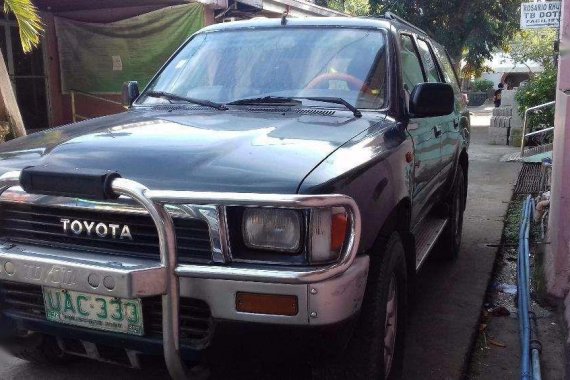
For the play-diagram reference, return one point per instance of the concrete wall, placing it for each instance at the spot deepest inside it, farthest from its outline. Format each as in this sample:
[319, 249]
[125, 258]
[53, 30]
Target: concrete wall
[557, 260]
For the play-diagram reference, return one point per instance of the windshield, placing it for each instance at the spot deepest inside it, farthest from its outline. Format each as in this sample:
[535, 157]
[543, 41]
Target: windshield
[232, 65]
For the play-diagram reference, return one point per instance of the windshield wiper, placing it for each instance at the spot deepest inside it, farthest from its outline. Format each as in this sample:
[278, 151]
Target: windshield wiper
[281, 100]
[294, 100]
[201, 102]
[335, 100]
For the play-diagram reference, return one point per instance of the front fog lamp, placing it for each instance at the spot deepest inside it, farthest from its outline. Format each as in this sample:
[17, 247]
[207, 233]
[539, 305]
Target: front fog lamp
[272, 229]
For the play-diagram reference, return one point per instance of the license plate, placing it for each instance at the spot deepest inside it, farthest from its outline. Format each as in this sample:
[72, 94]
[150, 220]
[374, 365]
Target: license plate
[94, 311]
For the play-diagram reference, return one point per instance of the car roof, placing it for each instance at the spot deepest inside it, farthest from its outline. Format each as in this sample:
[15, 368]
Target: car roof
[261, 22]
[346, 22]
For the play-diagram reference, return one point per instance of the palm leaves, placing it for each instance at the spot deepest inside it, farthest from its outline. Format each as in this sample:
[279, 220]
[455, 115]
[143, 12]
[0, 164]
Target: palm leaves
[29, 22]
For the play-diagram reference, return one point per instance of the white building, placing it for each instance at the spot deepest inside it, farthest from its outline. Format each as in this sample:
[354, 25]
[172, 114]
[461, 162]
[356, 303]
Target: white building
[504, 70]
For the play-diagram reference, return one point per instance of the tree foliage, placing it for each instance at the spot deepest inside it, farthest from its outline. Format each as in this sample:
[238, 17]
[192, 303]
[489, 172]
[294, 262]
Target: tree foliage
[533, 45]
[482, 85]
[352, 7]
[357, 7]
[29, 22]
[539, 90]
[470, 71]
[471, 30]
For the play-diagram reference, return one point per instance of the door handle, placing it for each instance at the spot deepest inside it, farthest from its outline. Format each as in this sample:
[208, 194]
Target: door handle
[436, 131]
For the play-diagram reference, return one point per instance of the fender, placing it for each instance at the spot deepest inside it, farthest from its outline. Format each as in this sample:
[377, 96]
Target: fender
[372, 169]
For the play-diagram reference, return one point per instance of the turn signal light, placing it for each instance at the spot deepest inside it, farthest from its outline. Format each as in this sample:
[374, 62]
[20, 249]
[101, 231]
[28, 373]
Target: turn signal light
[274, 304]
[327, 234]
[338, 231]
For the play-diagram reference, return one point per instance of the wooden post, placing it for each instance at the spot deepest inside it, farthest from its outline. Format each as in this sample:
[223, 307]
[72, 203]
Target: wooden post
[8, 104]
[73, 118]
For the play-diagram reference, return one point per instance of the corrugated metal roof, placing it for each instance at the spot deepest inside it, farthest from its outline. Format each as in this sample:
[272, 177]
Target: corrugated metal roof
[77, 5]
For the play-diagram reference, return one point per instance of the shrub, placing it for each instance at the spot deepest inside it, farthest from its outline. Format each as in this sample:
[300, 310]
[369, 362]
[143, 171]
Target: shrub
[482, 85]
[540, 89]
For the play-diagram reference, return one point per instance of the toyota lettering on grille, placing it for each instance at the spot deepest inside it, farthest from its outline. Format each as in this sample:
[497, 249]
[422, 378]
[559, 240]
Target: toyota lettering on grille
[103, 230]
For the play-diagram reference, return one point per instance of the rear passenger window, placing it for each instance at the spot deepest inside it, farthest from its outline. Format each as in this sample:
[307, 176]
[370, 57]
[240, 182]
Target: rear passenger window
[448, 71]
[428, 60]
[412, 73]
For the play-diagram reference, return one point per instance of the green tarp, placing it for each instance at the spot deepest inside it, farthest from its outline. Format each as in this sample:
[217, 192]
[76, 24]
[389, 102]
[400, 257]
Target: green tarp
[98, 58]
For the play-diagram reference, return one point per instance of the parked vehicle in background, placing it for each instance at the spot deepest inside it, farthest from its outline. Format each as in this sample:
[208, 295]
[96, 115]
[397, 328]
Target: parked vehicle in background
[285, 176]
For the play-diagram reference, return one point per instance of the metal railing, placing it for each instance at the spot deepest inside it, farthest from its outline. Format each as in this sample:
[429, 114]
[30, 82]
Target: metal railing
[74, 115]
[524, 135]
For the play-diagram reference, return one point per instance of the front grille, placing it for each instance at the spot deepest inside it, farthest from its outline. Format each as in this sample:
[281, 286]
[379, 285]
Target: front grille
[23, 299]
[196, 323]
[42, 225]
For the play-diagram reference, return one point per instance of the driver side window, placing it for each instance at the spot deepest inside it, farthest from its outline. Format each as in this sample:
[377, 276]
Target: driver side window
[412, 72]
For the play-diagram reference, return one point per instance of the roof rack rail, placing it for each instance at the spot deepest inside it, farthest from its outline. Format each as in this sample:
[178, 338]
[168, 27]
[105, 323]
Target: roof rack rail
[393, 16]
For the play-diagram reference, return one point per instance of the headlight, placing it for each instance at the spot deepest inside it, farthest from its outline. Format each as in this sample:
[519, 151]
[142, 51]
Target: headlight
[272, 229]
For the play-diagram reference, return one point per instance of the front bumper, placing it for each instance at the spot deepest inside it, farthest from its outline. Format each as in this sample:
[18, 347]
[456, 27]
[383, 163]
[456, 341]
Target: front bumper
[320, 303]
[326, 294]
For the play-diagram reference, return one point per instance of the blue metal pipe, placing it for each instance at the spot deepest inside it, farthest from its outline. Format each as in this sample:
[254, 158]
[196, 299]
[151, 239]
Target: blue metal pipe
[529, 370]
[522, 295]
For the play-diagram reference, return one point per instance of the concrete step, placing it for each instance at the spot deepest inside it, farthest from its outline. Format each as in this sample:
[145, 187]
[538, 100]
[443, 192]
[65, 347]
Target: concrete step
[528, 153]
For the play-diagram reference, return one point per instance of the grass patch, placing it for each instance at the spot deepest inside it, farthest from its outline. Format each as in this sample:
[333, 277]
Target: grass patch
[513, 220]
[511, 231]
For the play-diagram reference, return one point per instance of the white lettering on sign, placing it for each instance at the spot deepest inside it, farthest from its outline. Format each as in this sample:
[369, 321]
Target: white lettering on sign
[540, 15]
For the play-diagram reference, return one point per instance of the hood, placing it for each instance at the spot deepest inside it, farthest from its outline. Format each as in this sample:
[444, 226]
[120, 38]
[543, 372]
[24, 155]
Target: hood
[230, 150]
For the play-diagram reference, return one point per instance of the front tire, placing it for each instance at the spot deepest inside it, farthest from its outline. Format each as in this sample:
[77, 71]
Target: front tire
[450, 241]
[375, 350]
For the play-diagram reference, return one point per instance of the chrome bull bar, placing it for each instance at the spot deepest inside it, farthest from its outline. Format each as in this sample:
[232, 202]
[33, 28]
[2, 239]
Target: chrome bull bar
[154, 201]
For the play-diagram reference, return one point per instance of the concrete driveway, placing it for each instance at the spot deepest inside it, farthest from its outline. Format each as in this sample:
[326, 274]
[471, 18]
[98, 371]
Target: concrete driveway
[446, 309]
[445, 319]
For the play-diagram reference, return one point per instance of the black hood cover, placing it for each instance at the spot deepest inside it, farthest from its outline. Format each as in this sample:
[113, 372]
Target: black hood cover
[236, 150]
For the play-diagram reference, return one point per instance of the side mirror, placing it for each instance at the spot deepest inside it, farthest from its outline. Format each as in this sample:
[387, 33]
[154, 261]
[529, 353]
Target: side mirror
[130, 93]
[432, 99]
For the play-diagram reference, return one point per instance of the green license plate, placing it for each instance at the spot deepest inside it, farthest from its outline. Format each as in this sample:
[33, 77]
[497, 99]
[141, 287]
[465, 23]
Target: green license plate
[94, 311]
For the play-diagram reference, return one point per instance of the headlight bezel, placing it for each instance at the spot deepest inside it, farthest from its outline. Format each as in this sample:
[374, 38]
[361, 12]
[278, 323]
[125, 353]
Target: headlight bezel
[303, 256]
[241, 253]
